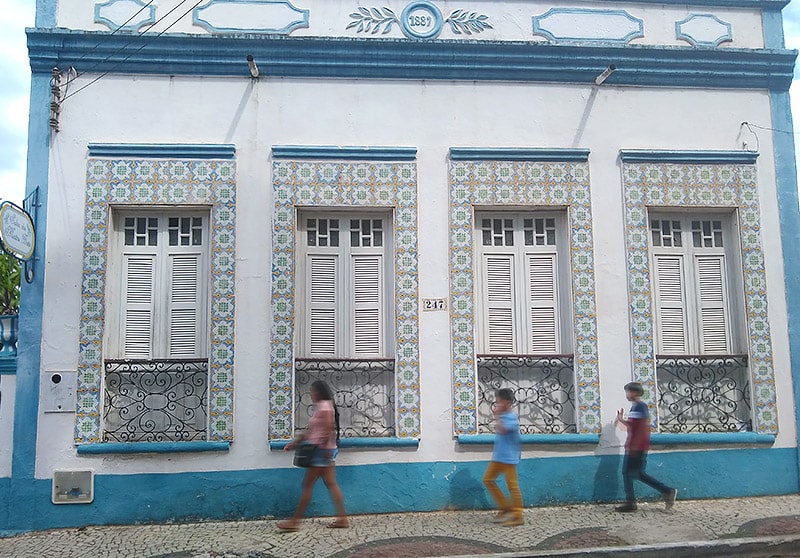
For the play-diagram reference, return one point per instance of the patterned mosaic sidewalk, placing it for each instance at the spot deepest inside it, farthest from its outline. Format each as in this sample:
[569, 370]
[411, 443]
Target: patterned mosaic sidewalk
[414, 535]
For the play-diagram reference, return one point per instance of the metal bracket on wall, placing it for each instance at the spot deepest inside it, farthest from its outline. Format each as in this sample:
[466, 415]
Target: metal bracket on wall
[31, 205]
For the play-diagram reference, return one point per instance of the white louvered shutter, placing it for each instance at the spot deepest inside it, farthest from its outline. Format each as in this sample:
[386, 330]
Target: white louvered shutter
[322, 279]
[367, 305]
[138, 305]
[498, 278]
[184, 305]
[712, 302]
[542, 298]
[670, 304]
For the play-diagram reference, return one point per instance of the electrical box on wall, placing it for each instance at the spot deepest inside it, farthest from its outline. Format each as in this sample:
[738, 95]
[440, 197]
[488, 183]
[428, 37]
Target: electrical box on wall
[58, 392]
[73, 487]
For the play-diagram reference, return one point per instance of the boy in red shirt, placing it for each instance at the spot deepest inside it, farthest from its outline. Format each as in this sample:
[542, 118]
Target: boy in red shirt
[636, 446]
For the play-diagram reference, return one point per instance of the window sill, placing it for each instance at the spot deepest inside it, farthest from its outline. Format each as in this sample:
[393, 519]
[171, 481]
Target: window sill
[361, 443]
[152, 447]
[711, 438]
[532, 439]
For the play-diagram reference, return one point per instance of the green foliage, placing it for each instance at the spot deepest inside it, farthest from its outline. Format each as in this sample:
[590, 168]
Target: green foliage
[10, 274]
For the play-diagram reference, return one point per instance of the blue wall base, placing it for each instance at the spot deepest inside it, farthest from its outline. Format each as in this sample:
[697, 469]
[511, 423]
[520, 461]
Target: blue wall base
[391, 487]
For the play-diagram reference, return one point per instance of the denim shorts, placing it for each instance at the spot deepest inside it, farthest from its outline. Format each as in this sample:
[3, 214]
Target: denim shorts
[324, 457]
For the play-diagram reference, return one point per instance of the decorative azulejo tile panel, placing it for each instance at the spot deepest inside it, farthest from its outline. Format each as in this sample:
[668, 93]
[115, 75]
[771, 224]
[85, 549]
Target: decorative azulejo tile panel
[734, 186]
[133, 182]
[493, 183]
[344, 184]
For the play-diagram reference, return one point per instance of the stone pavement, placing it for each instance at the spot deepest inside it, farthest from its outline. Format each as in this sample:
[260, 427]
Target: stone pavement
[764, 526]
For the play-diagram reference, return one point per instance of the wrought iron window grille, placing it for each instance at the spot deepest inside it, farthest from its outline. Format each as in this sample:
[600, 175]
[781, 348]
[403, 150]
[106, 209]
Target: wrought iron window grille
[363, 393]
[703, 393]
[155, 400]
[543, 386]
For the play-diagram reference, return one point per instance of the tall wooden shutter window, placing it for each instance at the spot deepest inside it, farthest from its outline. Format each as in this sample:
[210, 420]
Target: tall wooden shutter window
[543, 301]
[670, 304]
[690, 282]
[499, 300]
[322, 280]
[138, 305]
[163, 287]
[367, 291]
[184, 298]
[345, 308]
[713, 307]
[517, 282]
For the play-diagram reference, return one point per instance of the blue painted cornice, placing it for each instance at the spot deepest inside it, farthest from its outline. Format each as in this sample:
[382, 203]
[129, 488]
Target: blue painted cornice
[517, 154]
[335, 152]
[316, 57]
[688, 157]
[758, 4]
[163, 150]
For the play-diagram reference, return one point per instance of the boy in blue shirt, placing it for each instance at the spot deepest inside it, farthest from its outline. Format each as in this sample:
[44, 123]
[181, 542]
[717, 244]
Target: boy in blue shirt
[505, 457]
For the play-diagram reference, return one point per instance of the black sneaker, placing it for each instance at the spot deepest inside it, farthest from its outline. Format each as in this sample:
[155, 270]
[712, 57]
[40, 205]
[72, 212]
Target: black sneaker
[626, 508]
[669, 498]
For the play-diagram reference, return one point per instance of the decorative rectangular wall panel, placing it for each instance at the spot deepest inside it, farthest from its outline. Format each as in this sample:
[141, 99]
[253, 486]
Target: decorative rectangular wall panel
[528, 178]
[141, 182]
[368, 181]
[710, 182]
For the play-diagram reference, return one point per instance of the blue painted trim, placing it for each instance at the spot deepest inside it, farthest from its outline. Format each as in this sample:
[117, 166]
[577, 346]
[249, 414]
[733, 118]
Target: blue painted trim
[679, 34]
[8, 366]
[26, 399]
[46, 13]
[180, 54]
[361, 443]
[163, 150]
[436, 14]
[696, 157]
[758, 4]
[712, 438]
[532, 439]
[152, 447]
[300, 23]
[772, 24]
[517, 154]
[635, 34]
[113, 25]
[392, 487]
[333, 152]
[789, 215]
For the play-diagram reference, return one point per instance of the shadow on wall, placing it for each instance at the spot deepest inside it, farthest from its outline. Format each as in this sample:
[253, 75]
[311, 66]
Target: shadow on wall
[466, 492]
[609, 468]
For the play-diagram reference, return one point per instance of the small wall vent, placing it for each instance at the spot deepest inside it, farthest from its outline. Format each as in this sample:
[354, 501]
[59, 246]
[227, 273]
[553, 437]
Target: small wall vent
[73, 487]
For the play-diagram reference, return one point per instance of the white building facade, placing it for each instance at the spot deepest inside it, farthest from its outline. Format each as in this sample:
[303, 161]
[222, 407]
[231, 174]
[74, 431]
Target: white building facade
[418, 202]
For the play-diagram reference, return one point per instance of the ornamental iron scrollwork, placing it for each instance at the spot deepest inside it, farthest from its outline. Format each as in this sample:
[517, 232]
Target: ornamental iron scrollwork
[543, 386]
[704, 394]
[155, 400]
[363, 393]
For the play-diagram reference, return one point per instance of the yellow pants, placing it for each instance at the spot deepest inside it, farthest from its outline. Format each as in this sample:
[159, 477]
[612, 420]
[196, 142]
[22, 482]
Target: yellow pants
[513, 504]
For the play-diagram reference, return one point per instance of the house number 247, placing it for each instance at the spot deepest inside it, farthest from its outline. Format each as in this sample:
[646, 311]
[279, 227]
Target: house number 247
[434, 304]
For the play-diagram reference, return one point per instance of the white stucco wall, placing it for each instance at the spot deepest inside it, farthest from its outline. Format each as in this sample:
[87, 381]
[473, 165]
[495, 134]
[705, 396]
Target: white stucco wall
[8, 386]
[510, 20]
[431, 116]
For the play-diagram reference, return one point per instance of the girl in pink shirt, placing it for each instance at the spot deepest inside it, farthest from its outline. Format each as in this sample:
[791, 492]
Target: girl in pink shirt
[322, 432]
